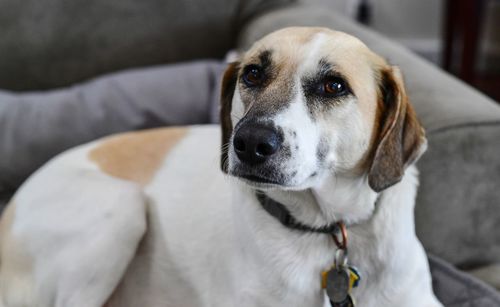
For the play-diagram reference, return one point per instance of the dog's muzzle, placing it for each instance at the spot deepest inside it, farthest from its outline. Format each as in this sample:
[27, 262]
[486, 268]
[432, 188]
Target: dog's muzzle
[256, 143]
[258, 148]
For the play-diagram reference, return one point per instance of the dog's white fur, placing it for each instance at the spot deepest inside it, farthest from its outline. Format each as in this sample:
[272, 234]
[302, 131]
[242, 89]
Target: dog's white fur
[76, 234]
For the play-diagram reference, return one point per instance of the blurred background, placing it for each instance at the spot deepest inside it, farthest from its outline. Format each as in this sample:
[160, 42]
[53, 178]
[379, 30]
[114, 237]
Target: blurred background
[462, 36]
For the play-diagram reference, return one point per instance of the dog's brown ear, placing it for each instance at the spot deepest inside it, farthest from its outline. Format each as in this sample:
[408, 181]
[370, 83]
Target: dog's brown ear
[401, 139]
[227, 91]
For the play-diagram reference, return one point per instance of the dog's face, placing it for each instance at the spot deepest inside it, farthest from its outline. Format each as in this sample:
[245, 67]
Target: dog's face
[306, 103]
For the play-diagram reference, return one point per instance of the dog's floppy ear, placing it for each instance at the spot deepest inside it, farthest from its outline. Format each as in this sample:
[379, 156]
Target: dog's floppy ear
[227, 91]
[401, 139]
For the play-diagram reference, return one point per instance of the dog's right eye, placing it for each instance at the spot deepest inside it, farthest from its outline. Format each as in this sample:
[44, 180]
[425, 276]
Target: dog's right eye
[332, 87]
[252, 76]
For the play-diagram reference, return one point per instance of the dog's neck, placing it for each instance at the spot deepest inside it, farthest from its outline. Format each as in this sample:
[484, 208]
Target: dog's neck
[342, 197]
[294, 260]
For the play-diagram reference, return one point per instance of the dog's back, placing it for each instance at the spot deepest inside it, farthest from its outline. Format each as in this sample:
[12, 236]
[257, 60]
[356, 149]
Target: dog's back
[118, 211]
[188, 214]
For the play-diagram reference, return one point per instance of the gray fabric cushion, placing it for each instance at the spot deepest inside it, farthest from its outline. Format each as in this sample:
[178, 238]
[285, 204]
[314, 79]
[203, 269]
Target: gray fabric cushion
[53, 43]
[457, 289]
[458, 204]
[458, 208]
[36, 126]
[488, 273]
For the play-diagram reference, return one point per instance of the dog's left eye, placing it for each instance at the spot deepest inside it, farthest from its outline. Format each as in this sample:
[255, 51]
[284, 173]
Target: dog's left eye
[333, 87]
[252, 76]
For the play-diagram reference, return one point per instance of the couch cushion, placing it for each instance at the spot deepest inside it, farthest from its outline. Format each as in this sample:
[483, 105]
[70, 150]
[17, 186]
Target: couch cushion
[457, 207]
[36, 126]
[53, 43]
[457, 289]
[457, 213]
[488, 273]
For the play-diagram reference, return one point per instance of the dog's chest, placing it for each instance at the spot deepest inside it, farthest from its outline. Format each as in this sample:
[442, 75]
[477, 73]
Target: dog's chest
[202, 256]
[209, 244]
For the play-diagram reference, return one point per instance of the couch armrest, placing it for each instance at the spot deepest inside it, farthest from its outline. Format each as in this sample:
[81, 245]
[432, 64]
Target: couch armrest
[458, 207]
[36, 126]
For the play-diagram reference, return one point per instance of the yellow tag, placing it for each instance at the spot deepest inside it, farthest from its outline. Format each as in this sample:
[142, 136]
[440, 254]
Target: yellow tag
[324, 275]
[353, 280]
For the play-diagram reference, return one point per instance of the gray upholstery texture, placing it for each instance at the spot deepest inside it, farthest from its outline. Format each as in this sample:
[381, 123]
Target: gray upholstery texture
[54, 43]
[458, 207]
[457, 289]
[36, 126]
[488, 273]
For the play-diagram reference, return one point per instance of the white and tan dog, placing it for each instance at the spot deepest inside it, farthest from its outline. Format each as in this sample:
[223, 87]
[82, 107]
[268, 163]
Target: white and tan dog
[310, 117]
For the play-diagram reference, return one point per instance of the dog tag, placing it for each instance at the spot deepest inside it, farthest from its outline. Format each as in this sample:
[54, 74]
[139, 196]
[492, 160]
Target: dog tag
[348, 302]
[355, 278]
[338, 284]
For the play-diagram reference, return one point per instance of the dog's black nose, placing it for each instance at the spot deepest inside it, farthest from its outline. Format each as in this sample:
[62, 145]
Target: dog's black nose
[254, 143]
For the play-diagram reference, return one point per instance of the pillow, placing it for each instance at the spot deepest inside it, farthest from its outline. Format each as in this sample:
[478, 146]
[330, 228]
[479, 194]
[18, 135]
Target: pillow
[457, 289]
[38, 125]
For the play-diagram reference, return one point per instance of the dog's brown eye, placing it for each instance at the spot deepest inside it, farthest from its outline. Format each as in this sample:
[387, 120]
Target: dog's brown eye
[333, 87]
[252, 76]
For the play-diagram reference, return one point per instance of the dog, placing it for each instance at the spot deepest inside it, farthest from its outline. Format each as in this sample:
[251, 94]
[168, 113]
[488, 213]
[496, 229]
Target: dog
[318, 136]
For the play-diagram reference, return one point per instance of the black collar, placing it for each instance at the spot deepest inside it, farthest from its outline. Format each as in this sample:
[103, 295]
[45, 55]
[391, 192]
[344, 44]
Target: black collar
[281, 213]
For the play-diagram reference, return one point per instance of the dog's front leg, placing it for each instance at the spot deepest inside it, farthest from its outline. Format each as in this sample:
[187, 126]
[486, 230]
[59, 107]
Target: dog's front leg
[69, 243]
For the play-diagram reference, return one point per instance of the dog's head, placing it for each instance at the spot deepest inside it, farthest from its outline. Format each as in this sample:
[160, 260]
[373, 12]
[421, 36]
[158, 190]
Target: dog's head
[305, 103]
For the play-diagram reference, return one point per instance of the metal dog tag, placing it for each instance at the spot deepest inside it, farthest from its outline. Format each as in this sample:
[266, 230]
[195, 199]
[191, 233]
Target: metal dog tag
[348, 302]
[337, 284]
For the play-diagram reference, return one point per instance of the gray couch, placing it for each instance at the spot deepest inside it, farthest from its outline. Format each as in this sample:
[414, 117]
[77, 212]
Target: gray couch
[49, 51]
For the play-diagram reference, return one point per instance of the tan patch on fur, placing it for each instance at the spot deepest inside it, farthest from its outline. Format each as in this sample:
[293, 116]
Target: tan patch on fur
[283, 41]
[8, 247]
[136, 156]
[6, 221]
[364, 164]
[15, 264]
[287, 47]
[227, 92]
[291, 46]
